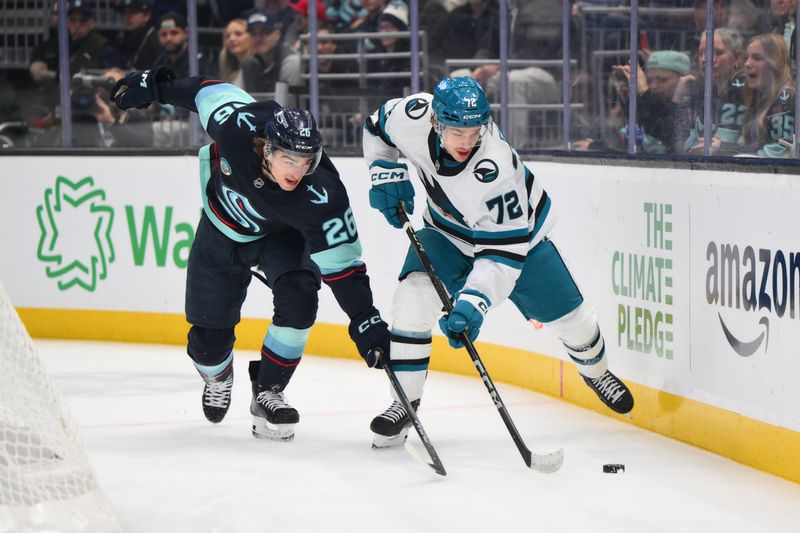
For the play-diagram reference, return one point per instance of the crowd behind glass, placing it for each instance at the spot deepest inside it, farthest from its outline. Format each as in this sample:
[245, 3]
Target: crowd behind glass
[363, 56]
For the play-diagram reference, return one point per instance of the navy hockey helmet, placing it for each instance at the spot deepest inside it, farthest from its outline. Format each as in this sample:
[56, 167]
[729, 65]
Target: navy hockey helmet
[460, 103]
[294, 131]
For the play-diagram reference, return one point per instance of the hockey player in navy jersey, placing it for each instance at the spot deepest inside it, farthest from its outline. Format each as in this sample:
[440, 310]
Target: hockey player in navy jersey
[486, 226]
[272, 199]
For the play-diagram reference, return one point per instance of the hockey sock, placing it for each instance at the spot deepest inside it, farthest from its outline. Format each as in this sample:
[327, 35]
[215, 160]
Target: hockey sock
[283, 347]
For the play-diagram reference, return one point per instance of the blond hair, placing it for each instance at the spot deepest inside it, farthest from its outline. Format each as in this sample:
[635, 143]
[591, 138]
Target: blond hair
[229, 64]
[759, 101]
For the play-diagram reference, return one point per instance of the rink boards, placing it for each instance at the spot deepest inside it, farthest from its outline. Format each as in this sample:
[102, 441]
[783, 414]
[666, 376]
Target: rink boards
[694, 276]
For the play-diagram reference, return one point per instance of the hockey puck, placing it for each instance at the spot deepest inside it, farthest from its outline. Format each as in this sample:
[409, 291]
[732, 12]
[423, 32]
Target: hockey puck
[613, 469]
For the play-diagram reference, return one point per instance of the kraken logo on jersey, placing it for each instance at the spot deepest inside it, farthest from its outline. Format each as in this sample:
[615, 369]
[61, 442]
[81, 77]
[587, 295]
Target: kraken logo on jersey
[240, 209]
[485, 171]
[416, 108]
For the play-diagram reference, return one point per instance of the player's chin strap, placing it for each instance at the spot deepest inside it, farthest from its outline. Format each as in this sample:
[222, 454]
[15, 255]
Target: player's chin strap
[548, 462]
[435, 463]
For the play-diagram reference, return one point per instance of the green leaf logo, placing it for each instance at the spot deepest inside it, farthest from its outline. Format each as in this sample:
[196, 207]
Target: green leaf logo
[81, 255]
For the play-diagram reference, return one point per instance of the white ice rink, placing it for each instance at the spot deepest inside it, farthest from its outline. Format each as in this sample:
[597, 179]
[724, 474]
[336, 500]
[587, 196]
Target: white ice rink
[166, 469]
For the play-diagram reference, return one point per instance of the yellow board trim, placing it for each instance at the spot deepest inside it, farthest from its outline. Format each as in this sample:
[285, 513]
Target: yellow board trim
[769, 448]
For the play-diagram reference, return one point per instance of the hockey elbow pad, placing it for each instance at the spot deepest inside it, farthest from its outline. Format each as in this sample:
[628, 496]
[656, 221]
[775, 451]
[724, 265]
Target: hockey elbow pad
[391, 186]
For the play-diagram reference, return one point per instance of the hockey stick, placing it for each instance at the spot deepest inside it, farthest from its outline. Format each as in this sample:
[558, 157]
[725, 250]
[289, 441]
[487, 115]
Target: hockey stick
[549, 462]
[436, 463]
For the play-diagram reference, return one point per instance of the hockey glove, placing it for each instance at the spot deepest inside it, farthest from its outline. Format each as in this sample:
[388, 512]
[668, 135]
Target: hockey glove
[390, 186]
[466, 317]
[371, 336]
[140, 89]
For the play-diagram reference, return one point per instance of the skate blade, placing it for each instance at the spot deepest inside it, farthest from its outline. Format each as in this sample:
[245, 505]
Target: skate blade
[264, 430]
[382, 441]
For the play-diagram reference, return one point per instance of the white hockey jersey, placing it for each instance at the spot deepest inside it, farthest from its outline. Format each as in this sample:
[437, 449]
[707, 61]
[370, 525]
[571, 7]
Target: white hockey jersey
[490, 206]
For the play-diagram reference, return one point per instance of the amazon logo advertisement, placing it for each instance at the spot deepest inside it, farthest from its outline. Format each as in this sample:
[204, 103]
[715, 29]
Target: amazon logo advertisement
[750, 287]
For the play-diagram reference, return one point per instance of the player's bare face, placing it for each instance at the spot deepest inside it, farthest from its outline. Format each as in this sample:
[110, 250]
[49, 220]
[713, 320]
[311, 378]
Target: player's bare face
[459, 142]
[287, 170]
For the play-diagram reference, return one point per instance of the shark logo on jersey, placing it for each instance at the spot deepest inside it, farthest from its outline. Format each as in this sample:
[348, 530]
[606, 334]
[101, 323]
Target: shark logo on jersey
[322, 198]
[224, 166]
[416, 108]
[258, 182]
[240, 209]
[439, 197]
[485, 171]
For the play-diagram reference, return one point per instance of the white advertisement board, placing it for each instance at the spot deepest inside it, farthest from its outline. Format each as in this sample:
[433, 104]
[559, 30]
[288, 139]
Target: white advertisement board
[694, 276]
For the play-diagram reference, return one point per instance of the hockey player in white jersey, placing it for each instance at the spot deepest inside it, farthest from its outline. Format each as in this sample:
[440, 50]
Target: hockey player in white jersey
[486, 225]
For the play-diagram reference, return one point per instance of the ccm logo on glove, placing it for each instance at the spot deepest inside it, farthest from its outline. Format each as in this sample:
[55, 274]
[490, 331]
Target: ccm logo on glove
[364, 326]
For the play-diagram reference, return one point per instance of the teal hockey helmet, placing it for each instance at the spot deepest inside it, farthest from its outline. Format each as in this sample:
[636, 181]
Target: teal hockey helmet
[460, 103]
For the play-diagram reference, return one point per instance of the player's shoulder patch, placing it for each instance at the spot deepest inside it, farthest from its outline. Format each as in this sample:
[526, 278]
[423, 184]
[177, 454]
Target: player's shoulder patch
[416, 107]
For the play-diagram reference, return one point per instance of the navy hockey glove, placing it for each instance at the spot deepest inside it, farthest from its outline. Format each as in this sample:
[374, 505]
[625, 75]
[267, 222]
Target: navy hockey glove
[466, 317]
[140, 89]
[371, 336]
[390, 186]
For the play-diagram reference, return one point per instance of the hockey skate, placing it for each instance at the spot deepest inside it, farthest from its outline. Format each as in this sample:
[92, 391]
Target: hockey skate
[612, 391]
[273, 418]
[391, 426]
[217, 395]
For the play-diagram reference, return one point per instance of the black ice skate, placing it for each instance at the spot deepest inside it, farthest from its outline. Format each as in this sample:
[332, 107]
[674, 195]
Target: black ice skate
[217, 395]
[273, 418]
[612, 391]
[391, 426]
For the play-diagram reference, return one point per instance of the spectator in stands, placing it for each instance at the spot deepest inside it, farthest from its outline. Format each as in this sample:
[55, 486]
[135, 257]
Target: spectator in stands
[333, 66]
[768, 127]
[174, 40]
[720, 15]
[394, 18]
[369, 23]
[272, 61]
[433, 21]
[237, 46]
[747, 19]
[660, 124]
[528, 85]
[88, 49]
[472, 31]
[225, 11]
[727, 97]
[783, 15]
[114, 128]
[280, 11]
[299, 25]
[139, 38]
[345, 14]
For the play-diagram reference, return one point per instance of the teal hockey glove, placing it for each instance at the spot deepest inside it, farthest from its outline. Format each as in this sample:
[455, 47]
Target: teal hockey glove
[466, 317]
[390, 187]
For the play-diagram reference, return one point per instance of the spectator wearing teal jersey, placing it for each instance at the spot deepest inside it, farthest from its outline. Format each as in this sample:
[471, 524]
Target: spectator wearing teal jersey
[727, 99]
[768, 127]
